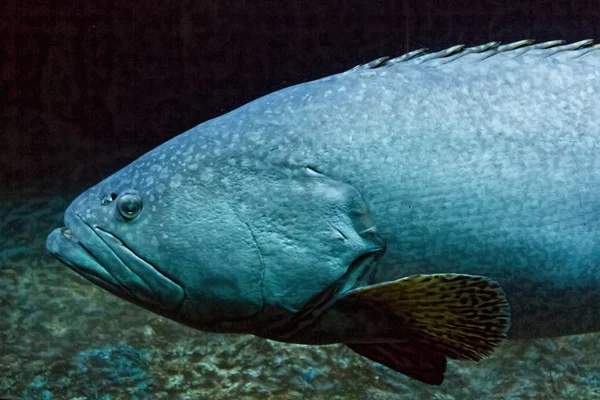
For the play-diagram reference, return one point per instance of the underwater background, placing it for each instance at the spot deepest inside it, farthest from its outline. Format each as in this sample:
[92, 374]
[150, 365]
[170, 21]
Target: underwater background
[85, 88]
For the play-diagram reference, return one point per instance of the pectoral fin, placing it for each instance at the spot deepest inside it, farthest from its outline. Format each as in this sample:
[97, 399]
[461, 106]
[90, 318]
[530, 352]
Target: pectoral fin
[420, 364]
[457, 316]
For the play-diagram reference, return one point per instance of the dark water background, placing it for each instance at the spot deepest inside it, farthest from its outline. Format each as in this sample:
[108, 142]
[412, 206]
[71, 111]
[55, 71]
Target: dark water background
[86, 87]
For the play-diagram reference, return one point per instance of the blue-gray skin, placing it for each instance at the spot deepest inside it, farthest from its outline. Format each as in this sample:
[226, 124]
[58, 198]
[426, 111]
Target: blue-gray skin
[480, 161]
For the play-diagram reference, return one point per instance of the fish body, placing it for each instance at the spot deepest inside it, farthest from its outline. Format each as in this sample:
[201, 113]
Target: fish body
[309, 214]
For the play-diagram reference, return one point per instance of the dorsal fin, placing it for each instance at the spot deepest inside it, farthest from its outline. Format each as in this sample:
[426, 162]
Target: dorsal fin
[461, 53]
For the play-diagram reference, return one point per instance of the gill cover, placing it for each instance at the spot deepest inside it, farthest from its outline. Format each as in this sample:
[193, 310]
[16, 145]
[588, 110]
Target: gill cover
[310, 229]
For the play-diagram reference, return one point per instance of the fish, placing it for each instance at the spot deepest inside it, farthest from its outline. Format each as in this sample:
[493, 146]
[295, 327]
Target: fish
[414, 209]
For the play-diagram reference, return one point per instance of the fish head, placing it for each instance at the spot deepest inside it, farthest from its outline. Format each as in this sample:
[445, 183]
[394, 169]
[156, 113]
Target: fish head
[158, 235]
[219, 241]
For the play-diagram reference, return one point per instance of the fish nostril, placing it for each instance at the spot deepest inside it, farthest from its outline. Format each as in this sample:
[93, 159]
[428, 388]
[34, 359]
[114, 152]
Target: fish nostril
[108, 199]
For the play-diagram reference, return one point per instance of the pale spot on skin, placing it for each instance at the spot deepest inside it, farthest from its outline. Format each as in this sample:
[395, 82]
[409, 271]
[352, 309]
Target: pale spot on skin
[175, 181]
[207, 175]
[164, 174]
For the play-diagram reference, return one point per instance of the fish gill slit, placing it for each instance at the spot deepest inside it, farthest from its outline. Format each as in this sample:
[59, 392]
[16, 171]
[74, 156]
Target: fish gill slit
[262, 263]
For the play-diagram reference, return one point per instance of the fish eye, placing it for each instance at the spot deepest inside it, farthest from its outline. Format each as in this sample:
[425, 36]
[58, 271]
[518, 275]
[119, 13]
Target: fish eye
[129, 206]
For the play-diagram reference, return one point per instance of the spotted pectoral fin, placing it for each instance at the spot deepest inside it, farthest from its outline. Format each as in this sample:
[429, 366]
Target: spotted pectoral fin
[418, 363]
[458, 316]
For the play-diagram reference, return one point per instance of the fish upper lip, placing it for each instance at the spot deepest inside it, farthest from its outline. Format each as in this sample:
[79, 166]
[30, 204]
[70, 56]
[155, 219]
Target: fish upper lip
[64, 246]
[103, 258]
[168, 292]
[79, 247]
[68, 234]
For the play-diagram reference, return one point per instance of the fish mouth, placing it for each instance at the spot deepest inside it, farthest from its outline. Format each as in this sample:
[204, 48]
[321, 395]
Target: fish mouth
[66, 248]
[105, 260]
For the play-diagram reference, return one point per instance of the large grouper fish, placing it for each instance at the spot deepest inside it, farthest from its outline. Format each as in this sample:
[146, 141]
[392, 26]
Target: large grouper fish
[414, 209]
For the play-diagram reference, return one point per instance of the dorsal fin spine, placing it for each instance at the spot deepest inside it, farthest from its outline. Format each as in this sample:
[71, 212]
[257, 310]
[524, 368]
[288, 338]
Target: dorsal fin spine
[514, 49]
